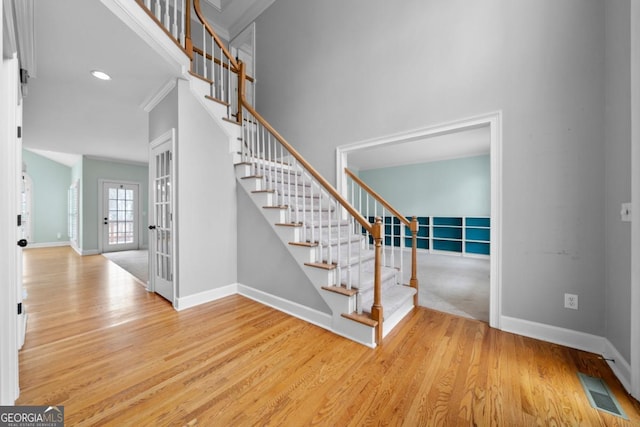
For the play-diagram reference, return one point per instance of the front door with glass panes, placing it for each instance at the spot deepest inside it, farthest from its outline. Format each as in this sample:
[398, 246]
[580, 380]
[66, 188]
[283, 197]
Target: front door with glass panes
[119, 216]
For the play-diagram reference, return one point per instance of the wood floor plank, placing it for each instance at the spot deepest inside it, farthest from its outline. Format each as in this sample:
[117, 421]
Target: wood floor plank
[114, 354]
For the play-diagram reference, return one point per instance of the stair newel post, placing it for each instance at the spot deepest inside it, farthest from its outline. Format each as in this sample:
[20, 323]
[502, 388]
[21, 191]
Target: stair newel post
[413, 282]
[188, 43]
[376, 308]
[242, 79]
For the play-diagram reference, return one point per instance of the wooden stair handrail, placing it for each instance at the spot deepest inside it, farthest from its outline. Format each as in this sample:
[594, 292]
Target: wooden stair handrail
[217, 61]
[378, 197]
[327, 186]
[196, 6]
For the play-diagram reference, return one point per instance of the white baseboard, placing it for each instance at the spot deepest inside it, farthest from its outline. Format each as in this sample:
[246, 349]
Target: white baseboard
[205, 297]
[48, 245]
[554, 334]
[294, 309]
[574, 339]
[90, 252]
[618, 364]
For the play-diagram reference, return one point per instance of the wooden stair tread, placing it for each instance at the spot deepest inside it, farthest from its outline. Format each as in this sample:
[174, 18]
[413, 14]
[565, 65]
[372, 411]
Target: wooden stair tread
[263, 191]
[203, 78]
[305, 244]
[231, 121]
[361, 318]
[289, 224]
[281, 207]
[341, 290]
[219, 101]
[252, 176]
[321, 265]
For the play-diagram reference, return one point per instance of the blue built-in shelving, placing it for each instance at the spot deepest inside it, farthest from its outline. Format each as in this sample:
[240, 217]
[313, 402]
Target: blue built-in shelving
[462, 235]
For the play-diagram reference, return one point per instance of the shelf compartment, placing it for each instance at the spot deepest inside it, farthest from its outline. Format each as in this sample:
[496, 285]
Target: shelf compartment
[447, 245]
[480, 248]
[481, 234]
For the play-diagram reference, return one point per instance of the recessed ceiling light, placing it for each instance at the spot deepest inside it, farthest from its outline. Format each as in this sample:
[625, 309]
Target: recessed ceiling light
[100, 75]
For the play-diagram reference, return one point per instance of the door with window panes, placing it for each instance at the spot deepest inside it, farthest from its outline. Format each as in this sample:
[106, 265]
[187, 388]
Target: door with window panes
[120, 216]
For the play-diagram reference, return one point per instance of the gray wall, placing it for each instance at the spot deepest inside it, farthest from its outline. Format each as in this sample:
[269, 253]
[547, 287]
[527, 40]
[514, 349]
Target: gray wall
[207, 223]
[617, 172]
[336, 72]
[265, 264]
[93, 170]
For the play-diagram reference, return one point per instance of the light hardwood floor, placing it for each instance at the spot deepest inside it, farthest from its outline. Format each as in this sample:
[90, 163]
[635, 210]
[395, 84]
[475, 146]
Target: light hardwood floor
[113, 354]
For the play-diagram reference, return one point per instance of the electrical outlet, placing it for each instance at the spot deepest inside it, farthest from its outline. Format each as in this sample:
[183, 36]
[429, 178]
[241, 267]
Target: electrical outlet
[571, 301]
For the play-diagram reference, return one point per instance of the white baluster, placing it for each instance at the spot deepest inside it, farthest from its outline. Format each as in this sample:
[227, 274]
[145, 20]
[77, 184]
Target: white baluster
[158, 11]
[183, 38]
[204, 50]
[167, 17]
[213, 60]
[174, 27]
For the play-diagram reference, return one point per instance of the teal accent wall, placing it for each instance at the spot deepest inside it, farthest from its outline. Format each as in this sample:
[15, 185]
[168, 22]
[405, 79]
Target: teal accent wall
[458, 187]
[94, 170]
[49, 198]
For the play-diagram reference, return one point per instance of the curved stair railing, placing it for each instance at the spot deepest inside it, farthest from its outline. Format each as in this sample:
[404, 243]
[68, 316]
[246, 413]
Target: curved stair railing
[346, 241]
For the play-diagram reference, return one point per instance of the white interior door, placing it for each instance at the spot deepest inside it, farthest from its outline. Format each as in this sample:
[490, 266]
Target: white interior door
[120, 216]
[161, 241]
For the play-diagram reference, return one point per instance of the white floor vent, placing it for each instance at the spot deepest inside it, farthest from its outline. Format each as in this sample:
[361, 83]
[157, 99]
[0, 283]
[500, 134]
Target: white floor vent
[600, 396]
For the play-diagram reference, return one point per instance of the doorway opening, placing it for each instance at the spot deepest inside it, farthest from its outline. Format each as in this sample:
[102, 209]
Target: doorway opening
[427, 138]
[120, 215]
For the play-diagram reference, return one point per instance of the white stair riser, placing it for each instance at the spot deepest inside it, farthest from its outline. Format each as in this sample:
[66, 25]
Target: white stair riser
[304, 254]
[276, 216]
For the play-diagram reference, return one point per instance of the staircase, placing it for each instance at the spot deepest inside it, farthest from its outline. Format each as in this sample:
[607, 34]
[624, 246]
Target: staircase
[342, 253]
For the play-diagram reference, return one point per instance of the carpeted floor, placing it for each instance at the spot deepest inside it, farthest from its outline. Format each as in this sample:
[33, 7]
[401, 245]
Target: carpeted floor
[135, 262]
[453, 284]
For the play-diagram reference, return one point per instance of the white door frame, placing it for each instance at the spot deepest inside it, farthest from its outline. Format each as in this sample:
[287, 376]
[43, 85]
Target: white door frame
[170, 135]
[494, 121]
[9, 182]
[635, 199]
[101, 212]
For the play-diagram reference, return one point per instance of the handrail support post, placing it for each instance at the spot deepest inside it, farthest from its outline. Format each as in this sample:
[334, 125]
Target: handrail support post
[377, 313]
[413, 282]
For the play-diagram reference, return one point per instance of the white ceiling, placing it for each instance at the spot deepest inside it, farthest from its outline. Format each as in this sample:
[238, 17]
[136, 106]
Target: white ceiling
[67, 110]
[465, 143]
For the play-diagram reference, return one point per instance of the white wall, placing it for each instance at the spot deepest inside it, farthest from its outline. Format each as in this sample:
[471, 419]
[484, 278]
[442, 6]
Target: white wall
[206, 200]
[336, 72]
[205, 221]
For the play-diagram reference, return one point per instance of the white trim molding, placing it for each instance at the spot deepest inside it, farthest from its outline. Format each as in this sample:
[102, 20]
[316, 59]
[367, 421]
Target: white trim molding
[294, 309]
[494, 121]
[554, 334]
[156, 98]
[183, 303]
[47, 245]
[573, 339]
[618, 364]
